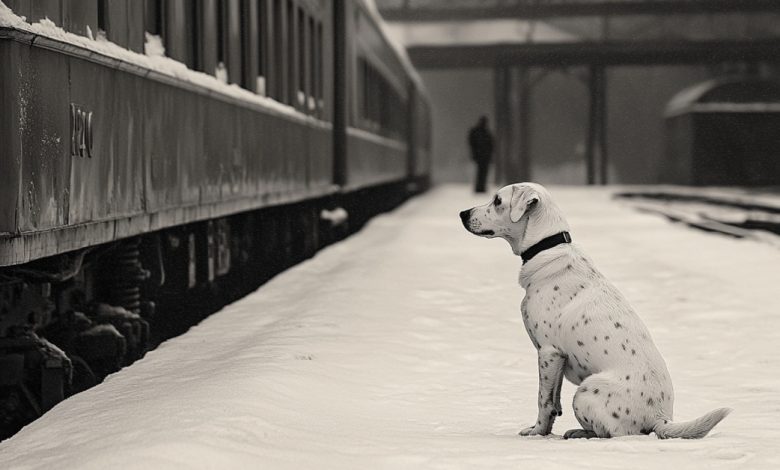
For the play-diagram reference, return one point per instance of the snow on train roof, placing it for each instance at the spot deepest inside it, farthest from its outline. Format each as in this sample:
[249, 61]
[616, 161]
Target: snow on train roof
[170, 67]
[152, 61]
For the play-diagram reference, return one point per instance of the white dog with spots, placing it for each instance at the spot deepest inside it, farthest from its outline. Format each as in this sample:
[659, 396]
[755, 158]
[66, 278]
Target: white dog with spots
[582, 327]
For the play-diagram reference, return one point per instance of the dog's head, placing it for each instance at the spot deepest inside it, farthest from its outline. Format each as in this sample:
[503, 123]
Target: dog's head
[521, 214]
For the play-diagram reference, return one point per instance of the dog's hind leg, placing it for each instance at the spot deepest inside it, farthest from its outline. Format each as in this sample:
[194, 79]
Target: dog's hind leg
[551, 365]
[603, 408]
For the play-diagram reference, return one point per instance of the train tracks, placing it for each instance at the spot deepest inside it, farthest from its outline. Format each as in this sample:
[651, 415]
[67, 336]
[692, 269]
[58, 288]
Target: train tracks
[737, 213]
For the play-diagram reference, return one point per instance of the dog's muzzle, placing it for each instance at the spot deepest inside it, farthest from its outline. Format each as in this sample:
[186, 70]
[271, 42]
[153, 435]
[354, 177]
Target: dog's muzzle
[464, 217]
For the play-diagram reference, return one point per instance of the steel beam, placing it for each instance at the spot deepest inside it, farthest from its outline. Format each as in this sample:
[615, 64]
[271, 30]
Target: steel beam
[535, 9]
[596, 53]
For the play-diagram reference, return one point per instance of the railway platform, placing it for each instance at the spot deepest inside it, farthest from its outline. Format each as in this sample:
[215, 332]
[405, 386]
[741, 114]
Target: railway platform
[403, 347]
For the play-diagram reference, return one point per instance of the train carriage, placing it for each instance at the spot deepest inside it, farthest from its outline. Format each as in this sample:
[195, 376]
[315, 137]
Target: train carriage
[163, 150]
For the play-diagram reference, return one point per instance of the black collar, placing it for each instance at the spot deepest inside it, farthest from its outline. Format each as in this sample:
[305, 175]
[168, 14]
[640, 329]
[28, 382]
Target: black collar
[545, 244]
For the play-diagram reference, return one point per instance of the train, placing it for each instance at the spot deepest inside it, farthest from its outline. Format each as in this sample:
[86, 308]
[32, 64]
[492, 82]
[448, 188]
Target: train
[159, 158]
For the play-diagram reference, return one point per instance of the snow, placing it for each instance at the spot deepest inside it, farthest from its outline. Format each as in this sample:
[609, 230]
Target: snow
[724, 218]
[403, 347]
[761, 198]
[336, 216]
[153, 45]
[152, 60]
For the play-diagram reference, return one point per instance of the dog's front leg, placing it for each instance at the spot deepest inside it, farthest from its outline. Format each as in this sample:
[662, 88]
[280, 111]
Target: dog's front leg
[551, 364]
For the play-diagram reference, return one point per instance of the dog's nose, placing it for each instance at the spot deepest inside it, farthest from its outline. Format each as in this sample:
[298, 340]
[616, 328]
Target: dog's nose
[464, 215]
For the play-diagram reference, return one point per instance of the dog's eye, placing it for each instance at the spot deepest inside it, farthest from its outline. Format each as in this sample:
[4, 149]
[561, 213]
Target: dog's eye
[497, 201]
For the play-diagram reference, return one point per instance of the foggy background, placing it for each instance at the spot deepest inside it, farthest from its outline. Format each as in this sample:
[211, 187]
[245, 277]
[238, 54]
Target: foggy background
[636, 95]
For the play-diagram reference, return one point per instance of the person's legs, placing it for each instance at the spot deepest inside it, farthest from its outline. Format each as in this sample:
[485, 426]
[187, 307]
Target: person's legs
[482, 172]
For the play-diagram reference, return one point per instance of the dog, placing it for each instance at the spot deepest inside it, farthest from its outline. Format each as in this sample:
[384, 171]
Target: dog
[582, 327]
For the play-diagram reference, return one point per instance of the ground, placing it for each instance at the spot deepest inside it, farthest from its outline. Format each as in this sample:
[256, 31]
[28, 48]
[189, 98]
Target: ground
[403, 348]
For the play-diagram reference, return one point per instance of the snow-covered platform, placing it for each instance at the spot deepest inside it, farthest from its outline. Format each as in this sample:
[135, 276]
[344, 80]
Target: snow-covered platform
[403, 347]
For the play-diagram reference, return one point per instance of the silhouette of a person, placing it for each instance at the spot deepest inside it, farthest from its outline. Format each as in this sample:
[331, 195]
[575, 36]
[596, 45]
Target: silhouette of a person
[481, 143]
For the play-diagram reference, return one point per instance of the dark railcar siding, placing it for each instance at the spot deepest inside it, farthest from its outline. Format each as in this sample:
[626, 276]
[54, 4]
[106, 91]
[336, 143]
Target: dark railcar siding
[107, 185]
[43, 132]
[10, 149]
[165, 153]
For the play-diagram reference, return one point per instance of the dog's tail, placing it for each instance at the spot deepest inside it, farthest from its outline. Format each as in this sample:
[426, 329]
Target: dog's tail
[695, 429]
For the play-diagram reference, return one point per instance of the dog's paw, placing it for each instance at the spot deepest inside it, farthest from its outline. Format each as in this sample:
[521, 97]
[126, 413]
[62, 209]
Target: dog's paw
[579, 434]
[537, 430]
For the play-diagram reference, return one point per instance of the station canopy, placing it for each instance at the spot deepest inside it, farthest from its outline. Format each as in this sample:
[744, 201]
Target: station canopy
[447, 23]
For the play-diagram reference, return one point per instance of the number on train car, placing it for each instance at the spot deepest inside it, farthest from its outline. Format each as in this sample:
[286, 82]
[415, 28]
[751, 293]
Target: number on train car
[80, 131]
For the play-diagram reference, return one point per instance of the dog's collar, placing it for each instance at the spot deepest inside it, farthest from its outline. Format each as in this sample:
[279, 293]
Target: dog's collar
[545, 244]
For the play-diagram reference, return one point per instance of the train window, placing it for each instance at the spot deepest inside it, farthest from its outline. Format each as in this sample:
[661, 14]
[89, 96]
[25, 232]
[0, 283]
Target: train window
[112, 20]
[262, 67]
[280, 43]
[221, 71]
[154, 17]
[249, 44]
[195, 19]
[292, 46]
[179, 26]
[320, 87]
[155, 25]
[190, 46]
[301, 96]
[207, 40]
[229, 63]
[311, 101]
[101, 13]
[380, 105]
[233, 52]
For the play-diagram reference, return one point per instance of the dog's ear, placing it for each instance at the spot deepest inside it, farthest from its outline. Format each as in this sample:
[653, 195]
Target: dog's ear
[522, 200]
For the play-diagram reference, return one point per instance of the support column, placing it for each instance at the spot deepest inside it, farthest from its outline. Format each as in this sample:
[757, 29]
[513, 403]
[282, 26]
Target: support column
[603, 126]
[524, 125]
[596, 152]
[339, 95]
[502, 125]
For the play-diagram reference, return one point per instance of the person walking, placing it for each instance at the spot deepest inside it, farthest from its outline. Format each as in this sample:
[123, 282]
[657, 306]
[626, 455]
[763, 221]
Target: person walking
[481, 143]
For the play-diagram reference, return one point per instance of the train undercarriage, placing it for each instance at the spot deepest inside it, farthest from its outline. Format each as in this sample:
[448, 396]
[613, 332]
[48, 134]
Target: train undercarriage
[68, 321]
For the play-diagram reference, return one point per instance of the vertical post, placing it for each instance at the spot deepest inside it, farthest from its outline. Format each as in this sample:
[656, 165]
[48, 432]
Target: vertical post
[282, 40]
[501, 94]
[339, 95]
[524, 123]
[293, 52]
[602, 143]
[411, 131]
[594, 151]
